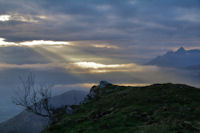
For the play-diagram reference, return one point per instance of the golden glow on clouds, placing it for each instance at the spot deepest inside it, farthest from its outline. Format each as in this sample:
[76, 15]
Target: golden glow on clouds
[3, 42]
[42, 17]
[95, 44]
[78, 85]
[87, 86]
[187, 48]
[134, 84]
[59, 44]
[30, 66]
[4, 18]
[191, 47]
[43, 42]
[22, 18]
[93, 67]
[105, 46]
[82, 67]
[96, 65]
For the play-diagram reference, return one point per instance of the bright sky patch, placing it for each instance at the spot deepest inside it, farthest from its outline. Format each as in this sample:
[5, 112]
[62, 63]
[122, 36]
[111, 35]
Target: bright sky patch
[4, 18]
[3, 42]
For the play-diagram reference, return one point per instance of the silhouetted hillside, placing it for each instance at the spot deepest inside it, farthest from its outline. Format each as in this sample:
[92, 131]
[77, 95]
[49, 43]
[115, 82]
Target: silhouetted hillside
[158, 108]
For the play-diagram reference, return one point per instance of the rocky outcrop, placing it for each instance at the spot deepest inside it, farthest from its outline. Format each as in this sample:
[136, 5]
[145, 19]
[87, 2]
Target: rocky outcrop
[96, 90]
[104, 84]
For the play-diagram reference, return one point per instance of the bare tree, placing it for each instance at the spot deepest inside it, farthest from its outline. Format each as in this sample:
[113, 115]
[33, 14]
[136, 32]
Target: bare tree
[34, 98]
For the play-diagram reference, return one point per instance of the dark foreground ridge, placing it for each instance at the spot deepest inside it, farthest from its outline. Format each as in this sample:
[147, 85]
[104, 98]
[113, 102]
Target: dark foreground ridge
[158, 108]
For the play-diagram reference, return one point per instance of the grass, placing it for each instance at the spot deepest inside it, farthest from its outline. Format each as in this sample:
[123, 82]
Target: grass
[159, 108]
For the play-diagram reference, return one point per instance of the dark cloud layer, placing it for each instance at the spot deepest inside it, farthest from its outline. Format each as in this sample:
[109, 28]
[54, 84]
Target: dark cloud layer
[128, 20]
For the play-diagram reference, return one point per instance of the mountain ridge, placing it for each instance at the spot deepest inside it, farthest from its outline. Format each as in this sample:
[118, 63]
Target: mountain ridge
[181, 58]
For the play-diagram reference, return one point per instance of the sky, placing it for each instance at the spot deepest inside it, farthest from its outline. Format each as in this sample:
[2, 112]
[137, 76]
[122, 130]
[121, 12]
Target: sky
[131, 25]
[74, 44]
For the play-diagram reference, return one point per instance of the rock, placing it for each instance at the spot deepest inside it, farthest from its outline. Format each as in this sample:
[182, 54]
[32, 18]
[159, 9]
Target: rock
[104, 84]
[94, 88]
[95, 91]
[92, 94]
[69, 110]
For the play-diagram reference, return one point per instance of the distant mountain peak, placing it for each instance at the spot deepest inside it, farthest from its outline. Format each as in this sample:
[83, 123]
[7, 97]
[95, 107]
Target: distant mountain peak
[180, 50]
[181, 58]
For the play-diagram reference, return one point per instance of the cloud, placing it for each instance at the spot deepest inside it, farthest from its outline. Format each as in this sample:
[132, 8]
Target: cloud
[61, 88]
[3, 42]
[97, 65]
[44, 67]
[104, 32]
[188, 15]
[105, 46]
[93, 67]
[118, 24]
[4, 18]
[81, 67]
[91, 72]
[101, 20]
[43, 42]
[26, 18]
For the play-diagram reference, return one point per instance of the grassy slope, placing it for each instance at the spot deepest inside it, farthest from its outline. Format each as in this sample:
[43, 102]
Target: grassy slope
[159, 108]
